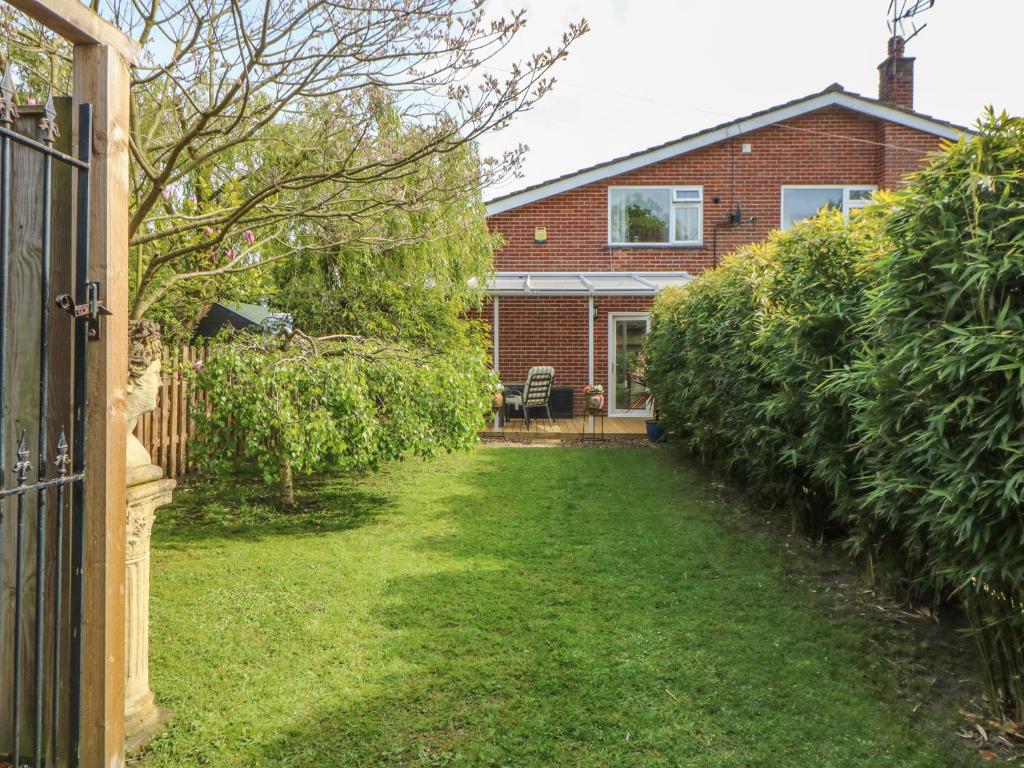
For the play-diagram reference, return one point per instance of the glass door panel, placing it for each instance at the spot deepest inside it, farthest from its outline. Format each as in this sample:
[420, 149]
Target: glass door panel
[629, 334]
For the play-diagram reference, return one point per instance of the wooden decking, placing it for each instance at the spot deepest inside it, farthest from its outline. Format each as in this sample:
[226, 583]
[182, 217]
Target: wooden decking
[615, 428]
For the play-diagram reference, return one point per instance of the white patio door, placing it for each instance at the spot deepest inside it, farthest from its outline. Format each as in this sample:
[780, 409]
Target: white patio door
[626, 334]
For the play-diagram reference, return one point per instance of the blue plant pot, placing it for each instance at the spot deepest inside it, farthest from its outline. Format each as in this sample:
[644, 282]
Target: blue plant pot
[655, 431]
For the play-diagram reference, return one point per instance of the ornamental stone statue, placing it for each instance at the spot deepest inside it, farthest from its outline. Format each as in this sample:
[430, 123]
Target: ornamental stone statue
[147, 490]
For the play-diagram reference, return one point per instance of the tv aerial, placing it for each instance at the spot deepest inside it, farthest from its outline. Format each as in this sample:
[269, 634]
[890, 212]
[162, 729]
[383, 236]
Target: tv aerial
[902, 14]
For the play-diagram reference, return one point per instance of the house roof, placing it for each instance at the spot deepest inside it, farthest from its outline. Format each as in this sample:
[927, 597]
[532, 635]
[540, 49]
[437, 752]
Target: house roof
[834, 95]
[584, 283]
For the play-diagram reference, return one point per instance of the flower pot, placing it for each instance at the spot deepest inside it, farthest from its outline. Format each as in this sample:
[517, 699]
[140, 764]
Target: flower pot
[655, 431]
[497, 401]
[594, 404]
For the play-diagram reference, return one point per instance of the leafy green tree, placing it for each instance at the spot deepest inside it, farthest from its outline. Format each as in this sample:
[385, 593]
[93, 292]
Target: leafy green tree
[411, 277]
[294, 404]
[253, 124]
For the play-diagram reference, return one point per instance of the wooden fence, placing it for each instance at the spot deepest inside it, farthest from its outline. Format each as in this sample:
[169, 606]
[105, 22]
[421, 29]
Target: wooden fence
[165, 431]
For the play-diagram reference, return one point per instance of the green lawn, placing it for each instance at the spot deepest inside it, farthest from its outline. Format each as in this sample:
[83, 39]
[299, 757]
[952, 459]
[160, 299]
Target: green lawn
[511, 607]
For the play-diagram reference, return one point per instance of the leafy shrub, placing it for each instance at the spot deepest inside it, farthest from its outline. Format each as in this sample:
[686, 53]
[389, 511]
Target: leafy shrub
[938, 396]
[739, 356]
[700, 362]
[341, 405]
[812, 300]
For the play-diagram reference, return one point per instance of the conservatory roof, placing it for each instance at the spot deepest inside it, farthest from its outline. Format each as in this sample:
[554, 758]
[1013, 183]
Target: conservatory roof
[584, 283]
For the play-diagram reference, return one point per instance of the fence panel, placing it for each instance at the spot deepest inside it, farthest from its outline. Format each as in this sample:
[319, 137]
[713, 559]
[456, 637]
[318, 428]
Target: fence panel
[165, 431]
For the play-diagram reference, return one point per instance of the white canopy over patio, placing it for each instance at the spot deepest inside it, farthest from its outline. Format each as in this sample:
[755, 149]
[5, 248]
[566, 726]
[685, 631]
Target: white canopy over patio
[584, 283]
[589, 285]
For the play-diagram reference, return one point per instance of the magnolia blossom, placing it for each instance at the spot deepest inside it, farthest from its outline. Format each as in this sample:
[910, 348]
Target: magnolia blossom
[250, 238]
[231, 254]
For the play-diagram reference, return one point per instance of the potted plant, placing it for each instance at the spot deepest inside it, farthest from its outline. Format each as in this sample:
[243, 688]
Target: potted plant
[643, 399]
[497, 397]
[593, 399]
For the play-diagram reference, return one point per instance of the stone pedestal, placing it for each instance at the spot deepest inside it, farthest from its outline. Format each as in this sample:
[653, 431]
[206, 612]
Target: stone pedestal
[147, 490]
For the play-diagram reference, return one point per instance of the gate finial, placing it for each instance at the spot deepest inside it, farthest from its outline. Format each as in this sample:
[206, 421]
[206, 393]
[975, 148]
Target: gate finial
[61, 460]
[49, 122]
[23, 465]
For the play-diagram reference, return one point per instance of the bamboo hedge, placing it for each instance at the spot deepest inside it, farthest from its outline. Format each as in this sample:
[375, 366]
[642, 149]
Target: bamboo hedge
[869, 376]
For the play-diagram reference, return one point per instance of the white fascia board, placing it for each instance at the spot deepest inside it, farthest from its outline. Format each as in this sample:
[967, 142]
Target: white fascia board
[586, 275]
[822, 100]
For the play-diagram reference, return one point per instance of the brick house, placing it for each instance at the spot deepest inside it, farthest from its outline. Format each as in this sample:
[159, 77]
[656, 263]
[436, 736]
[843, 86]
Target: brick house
[585, 254]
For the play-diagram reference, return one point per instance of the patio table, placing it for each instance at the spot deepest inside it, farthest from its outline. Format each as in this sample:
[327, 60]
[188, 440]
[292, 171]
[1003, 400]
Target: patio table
[509, 389]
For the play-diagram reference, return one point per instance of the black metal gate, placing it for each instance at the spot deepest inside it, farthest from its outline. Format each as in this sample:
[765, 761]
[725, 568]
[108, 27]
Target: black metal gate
[42, 518]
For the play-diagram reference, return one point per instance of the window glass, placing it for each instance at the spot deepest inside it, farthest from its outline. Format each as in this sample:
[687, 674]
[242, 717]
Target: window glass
[686, 195]
[804, 203]
[640, 215]
[687, 224]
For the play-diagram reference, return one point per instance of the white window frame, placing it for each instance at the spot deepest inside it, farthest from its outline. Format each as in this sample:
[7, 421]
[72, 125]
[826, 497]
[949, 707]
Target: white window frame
[672, 206]
[848, 204]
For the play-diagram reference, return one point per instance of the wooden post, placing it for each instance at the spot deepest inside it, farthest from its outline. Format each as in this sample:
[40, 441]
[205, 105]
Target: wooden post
[101, 78]
[165, 417]
[79, 24]
[175, 403]
[102, 55]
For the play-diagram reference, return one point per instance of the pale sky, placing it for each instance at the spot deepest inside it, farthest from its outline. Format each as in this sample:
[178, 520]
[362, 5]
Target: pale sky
[654, 70]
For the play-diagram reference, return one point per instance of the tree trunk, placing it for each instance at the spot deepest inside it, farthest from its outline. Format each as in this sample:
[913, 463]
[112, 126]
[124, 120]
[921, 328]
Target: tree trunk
[286, 486]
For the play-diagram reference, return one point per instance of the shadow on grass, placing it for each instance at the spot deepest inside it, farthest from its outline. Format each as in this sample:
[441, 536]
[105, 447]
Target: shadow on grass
[242, 507]
[585, 621]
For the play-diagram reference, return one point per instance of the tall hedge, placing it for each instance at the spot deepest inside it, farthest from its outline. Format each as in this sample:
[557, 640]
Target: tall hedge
[700, 362]
[738, 358]
[871, 376]
[938, 394]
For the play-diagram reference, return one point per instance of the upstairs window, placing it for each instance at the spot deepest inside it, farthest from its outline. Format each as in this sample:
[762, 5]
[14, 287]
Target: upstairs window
[800, 203]
[655, 215]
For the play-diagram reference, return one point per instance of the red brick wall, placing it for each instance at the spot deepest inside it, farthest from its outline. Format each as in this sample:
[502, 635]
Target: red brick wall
[830, 146]
[906, 151]
[542, 331]
[546, 330]
[896, 76]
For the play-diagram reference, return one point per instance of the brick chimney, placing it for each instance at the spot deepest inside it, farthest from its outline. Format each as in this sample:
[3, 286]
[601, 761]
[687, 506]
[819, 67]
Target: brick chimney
[896, 76]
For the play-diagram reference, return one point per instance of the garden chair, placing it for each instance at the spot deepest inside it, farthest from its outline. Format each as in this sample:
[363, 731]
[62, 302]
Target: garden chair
[536, 393]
